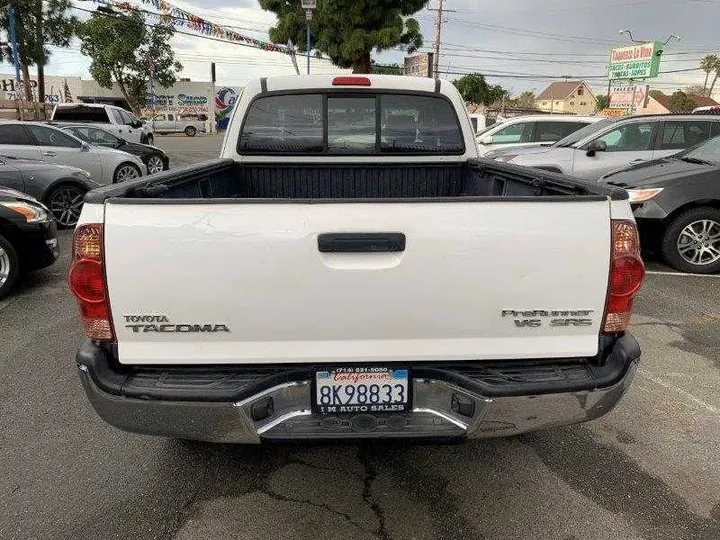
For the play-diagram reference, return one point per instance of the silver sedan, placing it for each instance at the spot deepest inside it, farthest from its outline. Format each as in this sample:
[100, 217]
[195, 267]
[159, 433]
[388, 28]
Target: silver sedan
[31, 140]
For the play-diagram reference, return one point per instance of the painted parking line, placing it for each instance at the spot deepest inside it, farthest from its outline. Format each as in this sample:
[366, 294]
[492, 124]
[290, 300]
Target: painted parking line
[663, 273]
[690, 398]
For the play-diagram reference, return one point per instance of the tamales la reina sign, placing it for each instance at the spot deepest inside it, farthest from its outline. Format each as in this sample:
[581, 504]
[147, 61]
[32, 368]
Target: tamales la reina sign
[640, 61]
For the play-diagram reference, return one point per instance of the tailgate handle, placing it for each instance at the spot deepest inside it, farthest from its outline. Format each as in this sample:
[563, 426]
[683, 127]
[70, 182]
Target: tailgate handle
[361, 242]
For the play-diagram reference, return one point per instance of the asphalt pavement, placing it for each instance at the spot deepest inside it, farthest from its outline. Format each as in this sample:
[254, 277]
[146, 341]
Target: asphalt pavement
[648, 470]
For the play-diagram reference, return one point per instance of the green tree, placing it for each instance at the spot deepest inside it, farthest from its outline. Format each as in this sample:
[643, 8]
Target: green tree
[387, 69]
[349, 30]
[708, 64]
[38, 24]
[680, 102]
[526, 100]
[601, 102]
[695, 89]
[125, 50]
[475, 89]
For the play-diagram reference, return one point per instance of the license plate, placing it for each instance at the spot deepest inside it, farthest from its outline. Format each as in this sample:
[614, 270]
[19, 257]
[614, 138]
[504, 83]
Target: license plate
[362, 389]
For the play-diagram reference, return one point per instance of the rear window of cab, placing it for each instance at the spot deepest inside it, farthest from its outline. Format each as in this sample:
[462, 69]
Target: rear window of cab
[356, 124]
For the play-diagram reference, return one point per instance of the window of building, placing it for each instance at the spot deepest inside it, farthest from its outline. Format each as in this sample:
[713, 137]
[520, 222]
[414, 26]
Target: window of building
[572, 103]
[581, 91]
[557, 103]
[583, 103]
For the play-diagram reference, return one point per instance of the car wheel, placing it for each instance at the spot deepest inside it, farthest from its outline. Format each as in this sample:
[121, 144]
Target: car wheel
[155, 164]
[190, 131]
[692, 241]
[65, 202]
[125, 172]
[9, 266]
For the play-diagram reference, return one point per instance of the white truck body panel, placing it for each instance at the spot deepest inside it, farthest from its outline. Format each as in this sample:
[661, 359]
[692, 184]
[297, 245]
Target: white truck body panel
[256, 268]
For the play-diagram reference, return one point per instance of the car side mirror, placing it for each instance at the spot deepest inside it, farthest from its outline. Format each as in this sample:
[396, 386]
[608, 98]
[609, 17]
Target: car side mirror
[596, 146]
[487, 140]
[137, 124]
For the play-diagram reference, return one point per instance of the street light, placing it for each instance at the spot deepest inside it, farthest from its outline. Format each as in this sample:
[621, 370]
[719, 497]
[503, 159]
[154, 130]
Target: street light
[629, 33]
[308, 6]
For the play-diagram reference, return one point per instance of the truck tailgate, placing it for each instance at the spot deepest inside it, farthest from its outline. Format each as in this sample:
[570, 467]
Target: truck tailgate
[242, 283]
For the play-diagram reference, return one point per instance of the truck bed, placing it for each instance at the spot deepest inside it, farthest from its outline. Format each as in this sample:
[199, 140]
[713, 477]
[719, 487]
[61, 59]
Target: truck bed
[225, 179]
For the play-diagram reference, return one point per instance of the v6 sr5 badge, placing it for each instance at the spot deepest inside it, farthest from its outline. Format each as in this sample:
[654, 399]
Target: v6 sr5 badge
[538, 318]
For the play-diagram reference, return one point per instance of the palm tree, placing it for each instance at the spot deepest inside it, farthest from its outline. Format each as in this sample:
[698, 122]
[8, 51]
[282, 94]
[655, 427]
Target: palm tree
[716, 67]
[707, 64]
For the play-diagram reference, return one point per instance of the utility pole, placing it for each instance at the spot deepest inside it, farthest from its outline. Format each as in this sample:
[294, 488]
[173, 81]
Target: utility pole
[438, 32]
[13, 41]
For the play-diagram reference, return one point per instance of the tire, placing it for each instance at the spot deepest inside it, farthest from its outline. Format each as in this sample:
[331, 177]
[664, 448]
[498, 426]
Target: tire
[155, 164]
[9, 266]
[190, 131]
[65, 202]
[125, 172]
[691, 242]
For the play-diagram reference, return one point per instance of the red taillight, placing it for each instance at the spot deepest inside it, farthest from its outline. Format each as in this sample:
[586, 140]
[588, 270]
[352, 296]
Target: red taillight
[87, 282]
[627, 272]
[351, 81]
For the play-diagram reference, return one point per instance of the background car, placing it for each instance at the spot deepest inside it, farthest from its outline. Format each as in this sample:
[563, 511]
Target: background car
[154, 159]
[676, 201]
[117, 120]
[31, 140]
[28, 237]
[616, 143]
[175, 123]
[535, 130]
[61, 189]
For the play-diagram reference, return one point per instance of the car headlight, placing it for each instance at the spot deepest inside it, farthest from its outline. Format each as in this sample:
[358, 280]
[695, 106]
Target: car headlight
[31, 212]
[642, 195]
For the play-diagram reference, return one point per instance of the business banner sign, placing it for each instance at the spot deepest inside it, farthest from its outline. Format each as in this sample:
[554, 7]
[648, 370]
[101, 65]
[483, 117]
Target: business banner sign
[627, 97]
[635, 62]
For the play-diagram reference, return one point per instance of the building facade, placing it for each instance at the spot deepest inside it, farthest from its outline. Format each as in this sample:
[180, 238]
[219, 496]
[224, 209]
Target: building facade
[659, 103]
[568, 97]
[184, 97]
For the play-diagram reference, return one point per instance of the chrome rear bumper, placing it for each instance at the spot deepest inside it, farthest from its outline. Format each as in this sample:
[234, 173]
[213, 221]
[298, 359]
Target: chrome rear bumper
[440, 409]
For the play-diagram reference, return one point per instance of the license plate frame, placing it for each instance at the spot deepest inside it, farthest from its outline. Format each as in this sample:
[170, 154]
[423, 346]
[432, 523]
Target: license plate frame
[401, 374]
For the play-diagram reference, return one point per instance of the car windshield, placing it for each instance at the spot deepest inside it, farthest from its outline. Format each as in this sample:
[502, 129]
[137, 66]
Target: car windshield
[580, 134]
[707, 152]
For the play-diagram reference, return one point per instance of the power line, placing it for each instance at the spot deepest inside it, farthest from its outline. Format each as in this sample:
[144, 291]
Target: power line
[200, 36]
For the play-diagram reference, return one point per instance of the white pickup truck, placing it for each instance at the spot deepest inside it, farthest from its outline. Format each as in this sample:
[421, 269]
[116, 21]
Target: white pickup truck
[175, 123]
[350, 269]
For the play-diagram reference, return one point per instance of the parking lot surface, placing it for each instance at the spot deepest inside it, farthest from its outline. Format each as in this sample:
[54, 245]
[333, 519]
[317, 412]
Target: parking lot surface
[648, 470]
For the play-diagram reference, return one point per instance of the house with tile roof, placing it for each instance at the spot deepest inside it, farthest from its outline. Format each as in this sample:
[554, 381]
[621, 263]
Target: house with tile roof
[659, 103]
[567, 97]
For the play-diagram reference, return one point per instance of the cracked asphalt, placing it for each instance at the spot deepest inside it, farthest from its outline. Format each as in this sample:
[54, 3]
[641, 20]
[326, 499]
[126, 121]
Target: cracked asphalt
[648, 470]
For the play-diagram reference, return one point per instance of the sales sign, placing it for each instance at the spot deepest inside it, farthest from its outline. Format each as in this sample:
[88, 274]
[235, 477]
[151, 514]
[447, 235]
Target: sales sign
[627, 97]
[635, 62]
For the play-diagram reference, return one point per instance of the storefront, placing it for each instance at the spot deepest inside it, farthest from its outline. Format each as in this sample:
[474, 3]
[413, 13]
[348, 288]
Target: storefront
[184, 97]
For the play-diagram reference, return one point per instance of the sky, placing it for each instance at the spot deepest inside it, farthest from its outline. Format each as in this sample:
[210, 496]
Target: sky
[518, 44]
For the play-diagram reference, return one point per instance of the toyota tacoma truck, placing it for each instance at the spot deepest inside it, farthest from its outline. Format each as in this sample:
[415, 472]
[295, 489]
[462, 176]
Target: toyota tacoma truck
[349, 268]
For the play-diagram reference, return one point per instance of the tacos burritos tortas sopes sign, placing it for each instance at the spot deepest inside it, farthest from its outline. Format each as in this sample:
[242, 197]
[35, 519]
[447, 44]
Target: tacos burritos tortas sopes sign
[640, 61]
